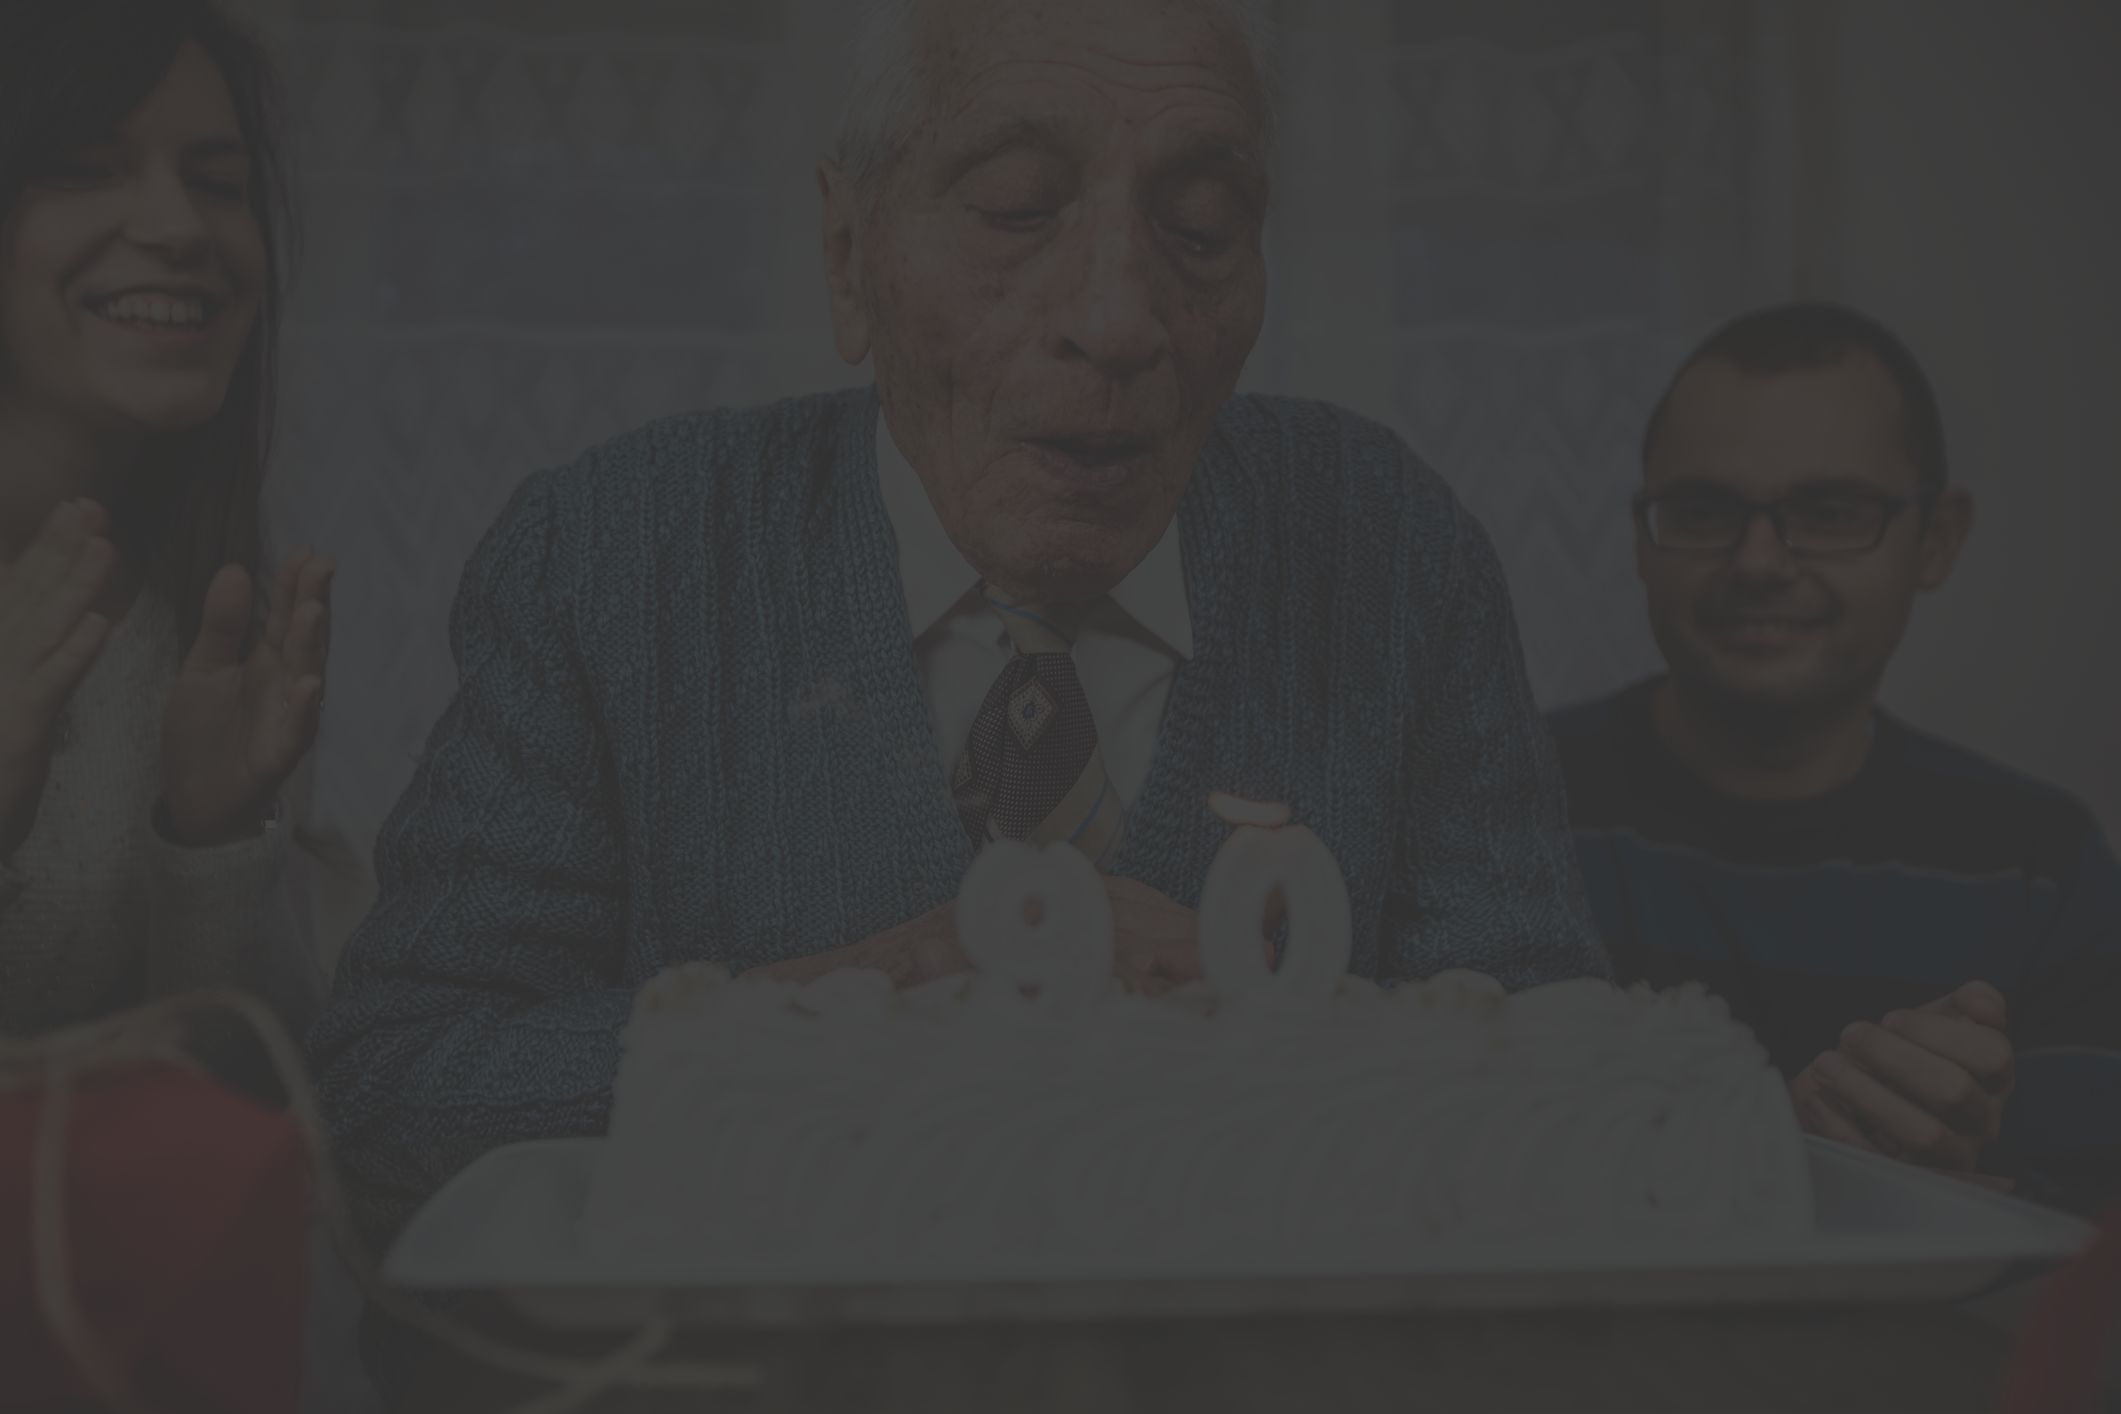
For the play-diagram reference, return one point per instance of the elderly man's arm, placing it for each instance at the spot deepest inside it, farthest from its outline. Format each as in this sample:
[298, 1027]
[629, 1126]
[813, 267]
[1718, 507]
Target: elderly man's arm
[479, 1002]
[1487, 868]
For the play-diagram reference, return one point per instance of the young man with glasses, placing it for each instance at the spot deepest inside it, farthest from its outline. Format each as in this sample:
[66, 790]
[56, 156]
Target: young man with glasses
[1917, 935]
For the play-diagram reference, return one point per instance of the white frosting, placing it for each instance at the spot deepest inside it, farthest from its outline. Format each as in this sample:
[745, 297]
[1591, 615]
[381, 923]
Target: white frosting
[1035, 1119]
[964, 1124]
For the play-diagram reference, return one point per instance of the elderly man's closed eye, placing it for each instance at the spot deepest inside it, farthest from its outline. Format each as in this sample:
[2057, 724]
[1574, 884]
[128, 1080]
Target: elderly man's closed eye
[1063, 582]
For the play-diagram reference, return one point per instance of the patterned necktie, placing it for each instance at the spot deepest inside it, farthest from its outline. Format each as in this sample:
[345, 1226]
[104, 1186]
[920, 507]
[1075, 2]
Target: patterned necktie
[1033, 770]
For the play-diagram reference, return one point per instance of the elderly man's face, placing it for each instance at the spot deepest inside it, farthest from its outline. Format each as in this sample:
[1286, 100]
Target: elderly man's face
[1060, 276]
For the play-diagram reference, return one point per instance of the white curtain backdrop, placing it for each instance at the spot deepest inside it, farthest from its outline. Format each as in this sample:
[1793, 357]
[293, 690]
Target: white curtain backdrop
[530, 226]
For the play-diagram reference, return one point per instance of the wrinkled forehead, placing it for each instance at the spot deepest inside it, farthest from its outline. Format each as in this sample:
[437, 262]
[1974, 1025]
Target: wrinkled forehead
[1074, 68]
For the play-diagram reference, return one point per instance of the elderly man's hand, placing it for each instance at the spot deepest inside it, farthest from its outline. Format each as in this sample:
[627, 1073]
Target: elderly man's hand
[920, 950]
[1155, 946]
[1155, 942]
[1927, 1086]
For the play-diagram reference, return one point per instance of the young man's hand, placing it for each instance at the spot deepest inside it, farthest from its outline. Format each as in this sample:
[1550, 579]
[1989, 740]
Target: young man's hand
[1927, 1086]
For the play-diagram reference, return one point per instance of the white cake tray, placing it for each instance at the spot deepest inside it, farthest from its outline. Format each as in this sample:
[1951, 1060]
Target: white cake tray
[1886, 1232]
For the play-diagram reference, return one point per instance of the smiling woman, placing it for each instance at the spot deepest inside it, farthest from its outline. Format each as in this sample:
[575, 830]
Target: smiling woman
[142, 266]
[153, 703]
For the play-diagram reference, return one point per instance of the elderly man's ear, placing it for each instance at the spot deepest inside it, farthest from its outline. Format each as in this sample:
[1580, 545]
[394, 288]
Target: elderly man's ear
[843, 262]
[1951, 520]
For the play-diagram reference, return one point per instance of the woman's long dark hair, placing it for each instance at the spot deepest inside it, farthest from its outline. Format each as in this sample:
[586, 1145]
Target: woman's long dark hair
[71, 71]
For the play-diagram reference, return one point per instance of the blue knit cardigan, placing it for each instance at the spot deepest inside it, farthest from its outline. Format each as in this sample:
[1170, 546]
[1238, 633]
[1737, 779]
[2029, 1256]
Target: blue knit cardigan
[688, 725]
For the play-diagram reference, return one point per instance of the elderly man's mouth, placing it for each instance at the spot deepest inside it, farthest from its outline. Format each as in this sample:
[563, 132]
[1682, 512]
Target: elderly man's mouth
[1094, 460]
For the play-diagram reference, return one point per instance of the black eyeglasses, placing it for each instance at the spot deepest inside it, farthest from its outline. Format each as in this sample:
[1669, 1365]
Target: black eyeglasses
[1701, 520]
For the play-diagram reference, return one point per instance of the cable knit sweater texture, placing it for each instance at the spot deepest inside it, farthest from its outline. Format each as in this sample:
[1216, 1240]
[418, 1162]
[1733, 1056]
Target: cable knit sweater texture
[688, 725]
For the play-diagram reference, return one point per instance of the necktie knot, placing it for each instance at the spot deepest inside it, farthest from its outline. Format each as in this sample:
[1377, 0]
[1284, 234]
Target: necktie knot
[1035, 628]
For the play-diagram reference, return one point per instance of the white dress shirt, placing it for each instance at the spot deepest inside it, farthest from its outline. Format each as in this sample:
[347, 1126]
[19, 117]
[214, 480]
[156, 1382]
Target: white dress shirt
[1129, 647]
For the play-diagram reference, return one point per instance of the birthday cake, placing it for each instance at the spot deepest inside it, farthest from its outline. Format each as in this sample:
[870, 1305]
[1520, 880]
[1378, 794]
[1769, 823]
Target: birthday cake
[1032, 1118]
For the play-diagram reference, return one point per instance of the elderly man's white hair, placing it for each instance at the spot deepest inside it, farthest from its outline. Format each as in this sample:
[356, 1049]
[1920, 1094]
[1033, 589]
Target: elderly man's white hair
[884, 100]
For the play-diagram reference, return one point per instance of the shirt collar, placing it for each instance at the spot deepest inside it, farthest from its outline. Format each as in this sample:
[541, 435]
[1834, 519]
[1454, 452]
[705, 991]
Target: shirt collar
[936, 574]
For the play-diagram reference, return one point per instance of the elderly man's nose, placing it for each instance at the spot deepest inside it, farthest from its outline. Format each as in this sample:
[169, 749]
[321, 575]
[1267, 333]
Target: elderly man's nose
[1112, 319]
[165, 216]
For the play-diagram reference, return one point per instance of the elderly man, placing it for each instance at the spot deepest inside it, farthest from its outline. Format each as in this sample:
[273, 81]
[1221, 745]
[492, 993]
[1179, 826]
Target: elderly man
[753, 686]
